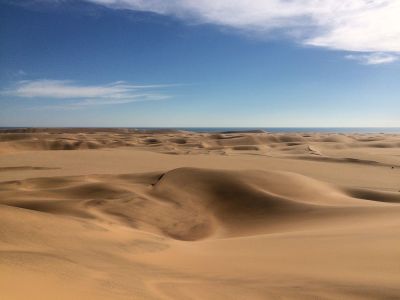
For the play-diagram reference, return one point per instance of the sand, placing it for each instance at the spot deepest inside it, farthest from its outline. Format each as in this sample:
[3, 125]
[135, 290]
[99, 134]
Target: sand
[127, 214]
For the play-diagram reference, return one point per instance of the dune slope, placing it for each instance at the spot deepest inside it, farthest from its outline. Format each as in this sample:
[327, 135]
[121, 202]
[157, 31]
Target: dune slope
[192, 204]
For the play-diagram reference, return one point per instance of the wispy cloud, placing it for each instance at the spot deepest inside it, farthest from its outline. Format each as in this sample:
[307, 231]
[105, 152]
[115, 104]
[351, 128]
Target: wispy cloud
[78, 96]
[374, 58]
[351, 25]
[20, 73]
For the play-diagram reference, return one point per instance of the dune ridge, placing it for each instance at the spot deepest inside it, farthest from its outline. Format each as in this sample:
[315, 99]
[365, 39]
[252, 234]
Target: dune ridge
[192, 204]
[353, 148]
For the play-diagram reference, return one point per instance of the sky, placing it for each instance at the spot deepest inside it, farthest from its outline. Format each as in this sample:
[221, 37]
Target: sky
[203, 63]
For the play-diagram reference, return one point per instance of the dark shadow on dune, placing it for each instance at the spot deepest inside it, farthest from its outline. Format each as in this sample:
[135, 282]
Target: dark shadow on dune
[191, 204]
[380, 196]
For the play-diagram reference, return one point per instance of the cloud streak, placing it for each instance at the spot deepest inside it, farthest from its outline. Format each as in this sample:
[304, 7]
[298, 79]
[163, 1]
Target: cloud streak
[350, 25]
[79, 96]
[373, 58]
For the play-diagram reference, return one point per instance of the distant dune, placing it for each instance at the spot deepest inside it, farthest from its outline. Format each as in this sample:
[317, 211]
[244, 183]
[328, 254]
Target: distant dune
[323, 146]
[234, 215]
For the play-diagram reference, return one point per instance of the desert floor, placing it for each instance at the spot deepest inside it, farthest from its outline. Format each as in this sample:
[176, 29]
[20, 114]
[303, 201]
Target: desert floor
[125, 214]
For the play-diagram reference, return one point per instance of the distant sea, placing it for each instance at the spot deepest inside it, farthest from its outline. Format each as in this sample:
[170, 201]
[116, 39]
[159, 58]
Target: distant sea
[290, 129]
[269, 129]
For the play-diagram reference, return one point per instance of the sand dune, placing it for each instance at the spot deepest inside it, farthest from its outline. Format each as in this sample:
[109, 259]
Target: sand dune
[334, 147]
[192, 204]
[277, 216]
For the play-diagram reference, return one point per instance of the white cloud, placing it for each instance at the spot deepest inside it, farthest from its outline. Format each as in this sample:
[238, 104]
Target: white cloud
[85, 95]
[351, 25]
[374, 58]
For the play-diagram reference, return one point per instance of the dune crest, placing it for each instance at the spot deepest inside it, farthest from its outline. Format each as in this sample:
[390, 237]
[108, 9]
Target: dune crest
[191, 203]
[350, 148]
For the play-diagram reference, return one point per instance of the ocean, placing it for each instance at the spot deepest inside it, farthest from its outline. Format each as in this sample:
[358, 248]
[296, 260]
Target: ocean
[288, 129]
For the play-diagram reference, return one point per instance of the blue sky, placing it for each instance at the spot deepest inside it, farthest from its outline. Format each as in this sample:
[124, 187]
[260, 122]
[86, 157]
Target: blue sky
[199, 63]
